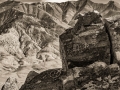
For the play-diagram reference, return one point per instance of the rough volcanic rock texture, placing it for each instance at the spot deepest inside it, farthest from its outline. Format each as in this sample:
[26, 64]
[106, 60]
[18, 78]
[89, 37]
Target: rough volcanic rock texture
[96, 76]
[85, 43]
[48, 79]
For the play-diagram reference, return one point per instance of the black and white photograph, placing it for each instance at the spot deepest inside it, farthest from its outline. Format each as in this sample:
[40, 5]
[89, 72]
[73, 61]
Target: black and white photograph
[59, 44]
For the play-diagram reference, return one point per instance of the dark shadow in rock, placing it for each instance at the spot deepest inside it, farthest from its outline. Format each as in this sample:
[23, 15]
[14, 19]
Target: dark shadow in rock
[112, 57]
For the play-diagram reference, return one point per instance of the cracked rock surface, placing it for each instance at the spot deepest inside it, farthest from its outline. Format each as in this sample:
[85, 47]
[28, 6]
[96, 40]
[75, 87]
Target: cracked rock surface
[59, 46]
[86, 59]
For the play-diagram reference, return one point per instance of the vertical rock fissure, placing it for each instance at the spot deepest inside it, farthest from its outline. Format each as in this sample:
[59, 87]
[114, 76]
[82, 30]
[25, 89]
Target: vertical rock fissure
[110, 41]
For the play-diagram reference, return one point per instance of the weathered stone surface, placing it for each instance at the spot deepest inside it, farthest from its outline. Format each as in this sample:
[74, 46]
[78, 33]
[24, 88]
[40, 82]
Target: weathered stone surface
[11, 84]
[86, 40]
[99, 78]
[8, 62]
[47, 80]
[55, 10]
[96, 76]
[86, 20]
[68, 12]
[30, 76]
[114, 34]
[86, 43]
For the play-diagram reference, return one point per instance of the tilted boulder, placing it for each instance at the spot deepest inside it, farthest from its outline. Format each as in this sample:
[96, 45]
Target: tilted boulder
[86, 43]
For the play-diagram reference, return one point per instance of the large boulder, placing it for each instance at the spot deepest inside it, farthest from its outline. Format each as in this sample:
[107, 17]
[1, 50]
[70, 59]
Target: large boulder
[86, 43]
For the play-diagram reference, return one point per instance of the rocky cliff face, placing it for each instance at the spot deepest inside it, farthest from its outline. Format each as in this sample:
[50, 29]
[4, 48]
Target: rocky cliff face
[66, 11]
[27, 40]
[23, 34]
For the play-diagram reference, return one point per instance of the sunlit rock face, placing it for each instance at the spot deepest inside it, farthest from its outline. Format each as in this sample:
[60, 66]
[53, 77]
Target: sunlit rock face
[69, 11]
[55, 10]
[10, 84]
[8, 62]
[24, 39]
[10, 41]
[86, 43]
[23, 35]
